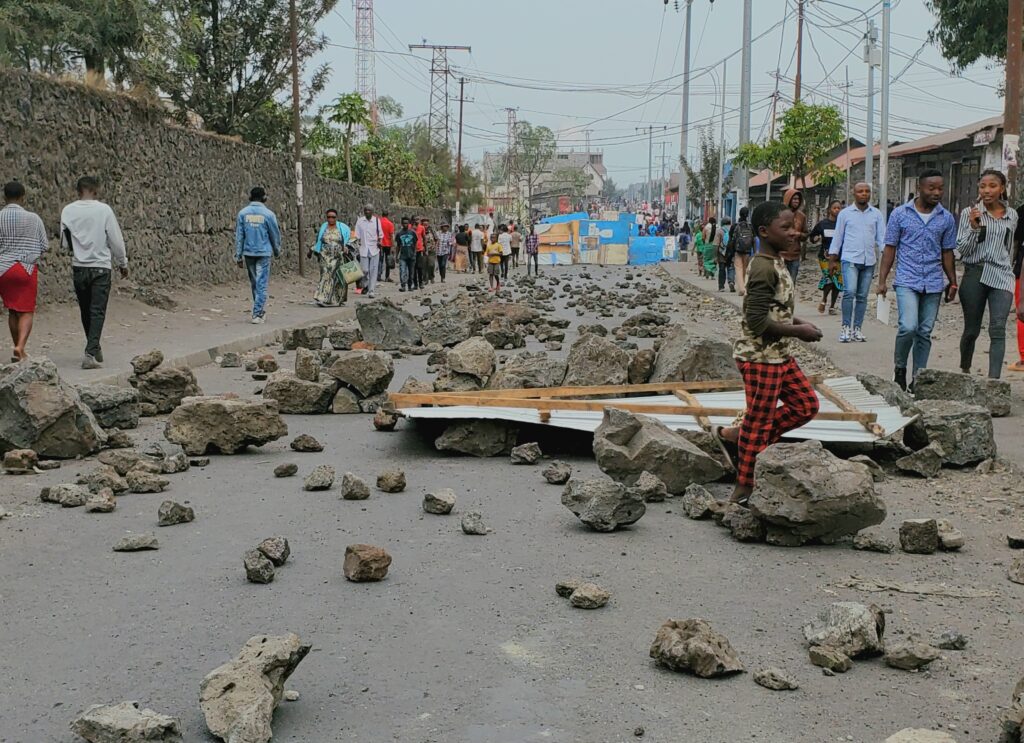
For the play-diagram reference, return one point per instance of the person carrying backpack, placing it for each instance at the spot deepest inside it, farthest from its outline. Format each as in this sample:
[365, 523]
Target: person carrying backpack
[741, 240]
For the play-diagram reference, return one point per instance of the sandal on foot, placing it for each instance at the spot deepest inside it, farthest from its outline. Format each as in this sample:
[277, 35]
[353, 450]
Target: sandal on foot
[725, 445]
[821, 308]
[1016, 366]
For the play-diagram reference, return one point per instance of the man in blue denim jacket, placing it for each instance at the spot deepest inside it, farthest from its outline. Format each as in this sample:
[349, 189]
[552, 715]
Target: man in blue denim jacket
[257, 237]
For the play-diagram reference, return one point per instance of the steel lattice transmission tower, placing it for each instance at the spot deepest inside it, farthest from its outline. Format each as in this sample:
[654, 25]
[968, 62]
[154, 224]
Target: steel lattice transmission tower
[439, 73]
[366, 75]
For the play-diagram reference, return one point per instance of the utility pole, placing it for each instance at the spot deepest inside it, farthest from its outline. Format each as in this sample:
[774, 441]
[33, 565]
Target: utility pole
[649, 131]
[745, 73]
[439, 73]
[458, 157]
[664, 185]
[873, 58]
[721, 148]
[849, 165]
[684, 191]
[1011, 114]
[883, 154]
[510, 143]
[799, 47]
[297, 134]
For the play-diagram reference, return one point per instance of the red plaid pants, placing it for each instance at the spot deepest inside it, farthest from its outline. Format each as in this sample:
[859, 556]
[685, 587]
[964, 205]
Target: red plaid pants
[764, 422]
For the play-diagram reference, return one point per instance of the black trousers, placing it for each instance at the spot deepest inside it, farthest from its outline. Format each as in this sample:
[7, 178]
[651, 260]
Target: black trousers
[504, 266]
[92, 288]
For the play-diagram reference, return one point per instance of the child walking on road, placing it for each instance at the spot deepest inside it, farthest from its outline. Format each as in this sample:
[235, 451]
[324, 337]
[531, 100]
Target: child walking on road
[494, 263]
[762, 352]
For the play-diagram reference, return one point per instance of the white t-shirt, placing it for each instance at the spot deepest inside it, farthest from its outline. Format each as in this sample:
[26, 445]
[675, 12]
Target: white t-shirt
[505, 240]
[477, 241]
[926, 217]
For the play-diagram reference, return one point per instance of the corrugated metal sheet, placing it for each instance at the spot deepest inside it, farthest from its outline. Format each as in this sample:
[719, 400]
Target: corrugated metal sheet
[889, 418]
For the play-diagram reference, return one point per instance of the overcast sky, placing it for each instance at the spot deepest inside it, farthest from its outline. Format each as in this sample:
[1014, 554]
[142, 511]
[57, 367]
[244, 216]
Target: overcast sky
[626, 56]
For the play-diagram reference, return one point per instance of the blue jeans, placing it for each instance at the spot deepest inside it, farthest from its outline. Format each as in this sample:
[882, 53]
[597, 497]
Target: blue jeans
[258, 267]
[856, 283]
[794, 269]
[407, 272]
[917, 314]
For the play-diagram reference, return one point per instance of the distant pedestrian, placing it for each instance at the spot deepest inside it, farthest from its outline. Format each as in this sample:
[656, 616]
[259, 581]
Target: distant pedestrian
[724, 257]
[709, 248]
[476, 249]
[986, 231]
[919, 239]
[430, 243]
[331, 250]
[405, 244]
[685, 241]
[89, 230]
[494, 263]
[859, 235]
[387, 243]
[516, 238]
[533, 251]
[1018, 259]
[462, 241]
[22, 240]
[743, 242]
[370, 232]
[505, 240]
[831, 281]
[763, 352]
[445, 250]
[794, 201]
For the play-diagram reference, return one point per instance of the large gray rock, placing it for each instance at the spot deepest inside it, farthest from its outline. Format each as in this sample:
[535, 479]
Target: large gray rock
[39, 411]
[685, 359]
[342, 337]
[299, 397]
[627, 444]
[224, 425]
[851, 628]
[527, 370]
[474, 357]
[603, 505]
[447, 325]
[963, 431]
[692, 645]
[238, 698]
[804, 493]
[114, 406]
[502, 333]
[481, 438]
[311, 337]
[387, 326]
[450, 381]
[165, 387]
[936, 384]
[125, 723]
[366, 372]
[594, 360]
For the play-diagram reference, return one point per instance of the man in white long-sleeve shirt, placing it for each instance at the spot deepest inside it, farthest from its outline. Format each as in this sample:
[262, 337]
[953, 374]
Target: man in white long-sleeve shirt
[89, 229]
[369, 231]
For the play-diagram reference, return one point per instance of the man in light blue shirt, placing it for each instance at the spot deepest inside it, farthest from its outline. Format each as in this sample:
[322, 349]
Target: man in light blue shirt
[257, 238]
[860, 231]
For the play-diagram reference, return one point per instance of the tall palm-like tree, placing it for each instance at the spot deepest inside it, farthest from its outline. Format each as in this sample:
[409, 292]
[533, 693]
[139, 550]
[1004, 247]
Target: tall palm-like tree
[350, 111]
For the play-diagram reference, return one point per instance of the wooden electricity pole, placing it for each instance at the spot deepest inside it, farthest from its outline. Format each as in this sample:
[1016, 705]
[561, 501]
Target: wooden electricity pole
[799, 47]
[297, 134]
[1011, 114]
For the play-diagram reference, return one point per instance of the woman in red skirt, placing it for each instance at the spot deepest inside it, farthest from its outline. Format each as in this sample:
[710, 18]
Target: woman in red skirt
[22, 241]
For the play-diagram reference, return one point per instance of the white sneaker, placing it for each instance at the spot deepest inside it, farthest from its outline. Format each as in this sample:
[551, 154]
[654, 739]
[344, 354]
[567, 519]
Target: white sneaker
[88, 362]
[844, 334]
[258, 320]
[858, 336]
[372, 295]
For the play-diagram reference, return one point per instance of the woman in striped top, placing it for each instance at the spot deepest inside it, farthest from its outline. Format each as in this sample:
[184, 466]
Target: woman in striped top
[983, 240]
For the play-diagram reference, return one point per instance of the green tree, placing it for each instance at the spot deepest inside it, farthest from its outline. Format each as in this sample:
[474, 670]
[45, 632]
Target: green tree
[702, 181]
[533, 149]
[807, 137]
[570, 181]
[969, 30]
[350, 111]
[223, 60]
[106, 36]
[610, 190]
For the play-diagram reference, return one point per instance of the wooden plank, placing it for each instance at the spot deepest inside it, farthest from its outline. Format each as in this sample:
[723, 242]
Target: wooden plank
[690, 399]
[843, 404]
[495, 401]
[715, 385]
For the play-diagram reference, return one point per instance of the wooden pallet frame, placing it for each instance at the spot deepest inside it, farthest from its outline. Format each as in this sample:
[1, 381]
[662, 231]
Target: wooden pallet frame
[546, 399]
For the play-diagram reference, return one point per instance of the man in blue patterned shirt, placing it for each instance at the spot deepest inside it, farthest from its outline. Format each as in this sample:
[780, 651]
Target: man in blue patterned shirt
[920, 239]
